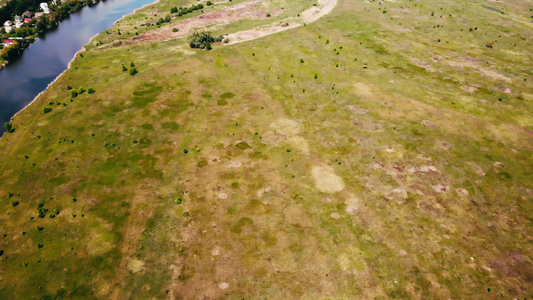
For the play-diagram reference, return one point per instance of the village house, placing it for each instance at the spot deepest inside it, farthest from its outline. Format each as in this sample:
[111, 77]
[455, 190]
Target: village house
[27, 14]
[27, 20]
[18, 21]
[7, 42]
[39, 14]
[44, 7]
[7, 26]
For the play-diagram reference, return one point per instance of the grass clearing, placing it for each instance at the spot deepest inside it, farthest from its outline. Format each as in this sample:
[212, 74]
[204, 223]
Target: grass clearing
[396, 170]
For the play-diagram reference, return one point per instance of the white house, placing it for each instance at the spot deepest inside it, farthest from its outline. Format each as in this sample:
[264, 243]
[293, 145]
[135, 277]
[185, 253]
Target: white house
[44, 7]
[8, 23]
[18, 21]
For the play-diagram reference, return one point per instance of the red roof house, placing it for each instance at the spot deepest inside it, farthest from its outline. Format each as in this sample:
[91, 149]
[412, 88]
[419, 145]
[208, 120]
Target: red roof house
[27, 20]
[7, 42]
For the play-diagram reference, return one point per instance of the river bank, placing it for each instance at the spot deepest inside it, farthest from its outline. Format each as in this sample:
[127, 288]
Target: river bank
[39, 66]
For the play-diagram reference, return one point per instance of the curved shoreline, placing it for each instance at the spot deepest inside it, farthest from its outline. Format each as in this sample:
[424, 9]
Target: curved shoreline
[70, 63]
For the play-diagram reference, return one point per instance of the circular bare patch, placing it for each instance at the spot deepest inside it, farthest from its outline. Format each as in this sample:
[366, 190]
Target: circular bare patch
[403, 252]
[222, 196]
[235, 164]
[335, 216]
[326, 181]
[215, 252]
[223, 286]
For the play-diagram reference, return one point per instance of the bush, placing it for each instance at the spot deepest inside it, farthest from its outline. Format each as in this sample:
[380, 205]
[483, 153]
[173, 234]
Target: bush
[219, 38]
[132, 65]
[8, 127]
[200, 39]
[69, 88]
[81, 90]
[73, 94]
[175, 29]
[209, 3]
[90, 90]
[124, 69]
[133, 71]
[47, 109]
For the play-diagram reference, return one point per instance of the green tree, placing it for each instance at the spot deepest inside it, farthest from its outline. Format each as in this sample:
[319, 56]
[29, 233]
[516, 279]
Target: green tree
[133, 71]
[200, 39]
[8, 127]
[10, 51]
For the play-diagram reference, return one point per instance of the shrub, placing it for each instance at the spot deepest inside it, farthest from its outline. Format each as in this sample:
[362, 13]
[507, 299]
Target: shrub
[81, 90]
[268, 15]
[133, 71]
[124, 69]
[175, 29]
[200, 39]
[47, 109]
[8, 127]
[90, 90]
[69, 87]
[73, 94]
[219, 38]
[209, 3]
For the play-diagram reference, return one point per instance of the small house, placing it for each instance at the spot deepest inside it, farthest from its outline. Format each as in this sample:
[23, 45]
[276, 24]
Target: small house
[27, 14]
[8, 29]
[27, 20]
[18, 19]
[8, 23]
[7, 42]
[44, 7]
[39, 14]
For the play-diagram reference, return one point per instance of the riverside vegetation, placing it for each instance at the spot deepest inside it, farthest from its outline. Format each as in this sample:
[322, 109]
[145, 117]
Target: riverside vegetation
[383, 151]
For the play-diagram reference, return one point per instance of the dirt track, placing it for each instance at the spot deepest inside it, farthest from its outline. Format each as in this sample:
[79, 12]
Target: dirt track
[235, 13]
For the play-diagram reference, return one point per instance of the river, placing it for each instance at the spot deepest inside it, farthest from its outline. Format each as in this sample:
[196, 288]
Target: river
[24, 78]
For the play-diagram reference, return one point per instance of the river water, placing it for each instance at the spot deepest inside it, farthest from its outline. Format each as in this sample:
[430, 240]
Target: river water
[24, 78]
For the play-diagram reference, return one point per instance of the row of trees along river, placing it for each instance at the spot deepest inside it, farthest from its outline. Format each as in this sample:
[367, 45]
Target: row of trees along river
[28, 74]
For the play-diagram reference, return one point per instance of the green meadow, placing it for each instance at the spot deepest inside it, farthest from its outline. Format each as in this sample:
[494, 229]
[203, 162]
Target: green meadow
[383, 151]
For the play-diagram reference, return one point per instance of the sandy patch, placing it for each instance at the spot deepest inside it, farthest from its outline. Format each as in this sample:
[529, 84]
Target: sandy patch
[299, 143]
[310, 15]
[286, 127]
[352, 205]
[499, 164]
[222, 196]
[223, 286]
[235, 164]
[135, 265]
[335, 216]
[362, 89]
[325, 179]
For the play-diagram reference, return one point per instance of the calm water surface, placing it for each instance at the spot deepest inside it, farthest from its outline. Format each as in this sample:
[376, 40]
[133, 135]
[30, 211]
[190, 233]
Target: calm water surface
[25, 77]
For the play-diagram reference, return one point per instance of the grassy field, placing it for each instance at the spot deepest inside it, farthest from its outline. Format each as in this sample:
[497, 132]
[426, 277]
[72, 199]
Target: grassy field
[384, 151]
